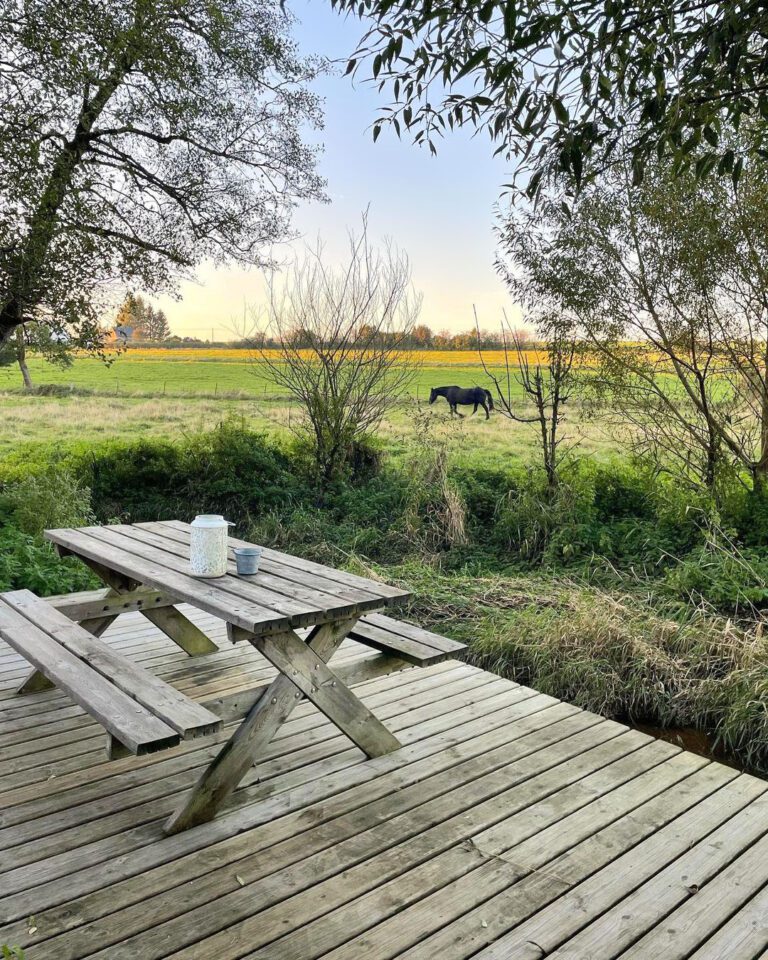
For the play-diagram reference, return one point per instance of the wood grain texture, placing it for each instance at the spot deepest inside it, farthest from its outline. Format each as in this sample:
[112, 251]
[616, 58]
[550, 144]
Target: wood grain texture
[260, 725]
[508, 823]
[186, 717]
[139, 730]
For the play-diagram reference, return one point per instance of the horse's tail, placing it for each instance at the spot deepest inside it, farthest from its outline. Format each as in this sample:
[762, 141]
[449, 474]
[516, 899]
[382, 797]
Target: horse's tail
[490, 398]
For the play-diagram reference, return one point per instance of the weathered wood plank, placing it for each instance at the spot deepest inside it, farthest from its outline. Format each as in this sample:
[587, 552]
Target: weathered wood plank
[308, 850]
[96, 603]
[395, 840]
[321, 595]
[625, 784]
[290, 578]
[43, 816]
[235, 706]
[405, 629]
[743, 937]
[123, 717]
[239, 753]
[586, 901]
[186, 717]
[504, 814]
[620, 926]
[703, 911]
[308, 671]
[181, 587]
[330, 573]
[319, 783]
[140, 544]
[403, 646]
[185, 634]
[547, 878]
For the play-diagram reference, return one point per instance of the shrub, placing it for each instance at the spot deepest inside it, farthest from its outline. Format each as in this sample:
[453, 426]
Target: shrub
[28, 563]
[229, 470]
[732, 580]
[56, 498]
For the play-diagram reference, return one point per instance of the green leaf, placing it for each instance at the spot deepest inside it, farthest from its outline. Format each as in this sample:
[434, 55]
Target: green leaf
[474, 61]
[510, 20]
[561, 111]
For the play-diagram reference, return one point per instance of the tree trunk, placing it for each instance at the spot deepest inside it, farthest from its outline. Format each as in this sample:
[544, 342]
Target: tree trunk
[760, 470]
[21, 356]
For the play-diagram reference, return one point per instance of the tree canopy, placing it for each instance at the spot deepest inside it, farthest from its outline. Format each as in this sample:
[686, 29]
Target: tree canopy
[665, 284]
[138, 137]
[568, 85]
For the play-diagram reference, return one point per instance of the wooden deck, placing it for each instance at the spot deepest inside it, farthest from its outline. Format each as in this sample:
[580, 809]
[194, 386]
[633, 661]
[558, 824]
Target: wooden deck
[508, 825]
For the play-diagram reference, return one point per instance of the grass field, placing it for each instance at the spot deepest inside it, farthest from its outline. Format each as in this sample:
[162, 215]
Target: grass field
[221, 372]
[180, 393]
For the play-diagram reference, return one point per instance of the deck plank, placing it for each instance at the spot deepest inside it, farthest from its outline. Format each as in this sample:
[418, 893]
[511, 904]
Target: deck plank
[508, 821]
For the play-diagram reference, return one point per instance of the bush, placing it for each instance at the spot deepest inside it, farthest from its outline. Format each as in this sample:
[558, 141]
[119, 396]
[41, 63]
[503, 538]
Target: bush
[43, 501]
[732, 580]
[229, 470]
[28, 563]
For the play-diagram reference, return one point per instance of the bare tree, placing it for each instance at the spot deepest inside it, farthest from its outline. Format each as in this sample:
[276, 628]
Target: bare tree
[547, 385]
[342, 336]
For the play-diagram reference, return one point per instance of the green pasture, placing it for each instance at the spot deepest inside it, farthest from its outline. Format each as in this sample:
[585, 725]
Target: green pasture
[130, 375]
[168, 398]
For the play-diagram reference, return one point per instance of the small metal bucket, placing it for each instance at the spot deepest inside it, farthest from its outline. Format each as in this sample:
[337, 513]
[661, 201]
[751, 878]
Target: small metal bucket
[247, 560]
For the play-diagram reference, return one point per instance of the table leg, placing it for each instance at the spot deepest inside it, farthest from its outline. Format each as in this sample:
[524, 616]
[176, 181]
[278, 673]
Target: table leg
[309, 672]
[263, 720]
[174, 624]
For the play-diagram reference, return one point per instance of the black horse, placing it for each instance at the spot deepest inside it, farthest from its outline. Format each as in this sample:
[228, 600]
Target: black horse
[464, 396]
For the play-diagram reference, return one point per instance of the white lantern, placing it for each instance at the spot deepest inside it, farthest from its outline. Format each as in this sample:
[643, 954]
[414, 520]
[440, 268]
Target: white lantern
[208, 546]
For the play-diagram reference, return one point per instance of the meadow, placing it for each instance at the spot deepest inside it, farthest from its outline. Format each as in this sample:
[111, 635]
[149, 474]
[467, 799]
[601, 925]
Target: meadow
[172, 393]
[226, 372]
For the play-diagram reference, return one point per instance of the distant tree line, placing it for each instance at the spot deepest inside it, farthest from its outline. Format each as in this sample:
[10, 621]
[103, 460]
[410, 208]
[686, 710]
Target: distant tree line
[421, 337]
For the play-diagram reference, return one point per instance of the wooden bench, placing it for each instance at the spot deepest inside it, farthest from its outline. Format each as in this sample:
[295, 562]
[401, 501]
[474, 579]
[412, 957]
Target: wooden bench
[405, 640]
[140, 712]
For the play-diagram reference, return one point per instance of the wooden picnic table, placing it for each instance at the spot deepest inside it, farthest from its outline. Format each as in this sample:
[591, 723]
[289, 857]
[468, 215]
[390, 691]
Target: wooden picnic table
[145, 566]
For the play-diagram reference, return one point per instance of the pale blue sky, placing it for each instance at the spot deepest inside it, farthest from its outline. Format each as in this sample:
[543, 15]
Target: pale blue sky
[440, 210]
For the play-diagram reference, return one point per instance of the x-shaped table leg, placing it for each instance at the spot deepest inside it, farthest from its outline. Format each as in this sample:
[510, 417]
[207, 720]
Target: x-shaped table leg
[174, 624]
[303, 670]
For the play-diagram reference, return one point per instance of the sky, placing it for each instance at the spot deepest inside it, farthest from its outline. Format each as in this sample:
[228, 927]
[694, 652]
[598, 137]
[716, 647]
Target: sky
[440, 210]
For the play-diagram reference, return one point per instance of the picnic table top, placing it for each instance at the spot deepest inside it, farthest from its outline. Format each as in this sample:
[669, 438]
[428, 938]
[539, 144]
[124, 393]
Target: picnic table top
[288, 592]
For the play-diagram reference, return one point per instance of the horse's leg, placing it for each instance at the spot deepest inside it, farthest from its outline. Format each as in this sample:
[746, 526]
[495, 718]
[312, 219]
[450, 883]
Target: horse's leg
[487, 413]
[474, 411]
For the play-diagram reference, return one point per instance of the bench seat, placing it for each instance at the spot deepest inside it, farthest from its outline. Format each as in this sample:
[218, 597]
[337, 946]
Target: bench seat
[140, 712]
[405, 640]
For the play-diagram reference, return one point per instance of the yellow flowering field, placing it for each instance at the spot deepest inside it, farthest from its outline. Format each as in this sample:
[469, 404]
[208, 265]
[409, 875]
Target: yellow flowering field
[429, 358]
